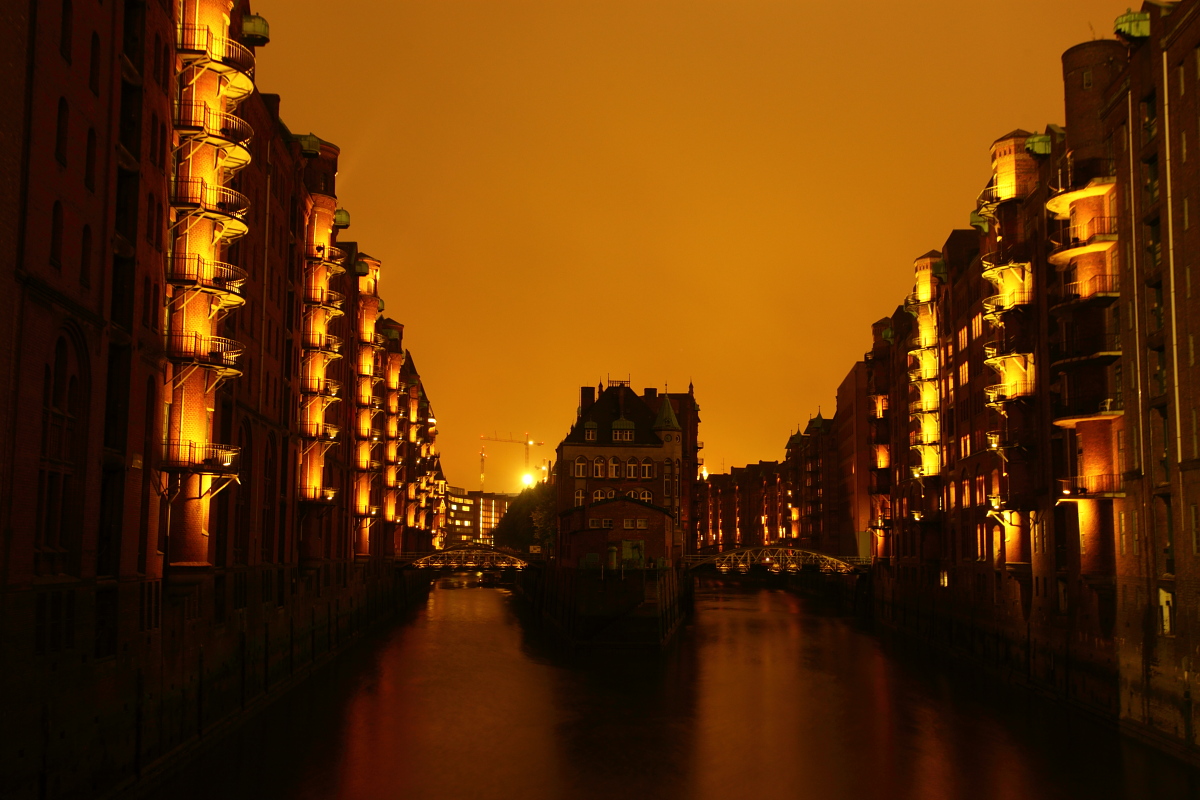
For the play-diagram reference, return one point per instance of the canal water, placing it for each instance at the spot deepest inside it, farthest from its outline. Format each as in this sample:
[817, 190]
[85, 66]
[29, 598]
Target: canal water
[764, 696]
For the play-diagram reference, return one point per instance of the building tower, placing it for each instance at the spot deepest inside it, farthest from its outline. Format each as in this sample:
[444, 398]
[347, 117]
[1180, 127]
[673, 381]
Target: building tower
[371, 363]
[216, 73]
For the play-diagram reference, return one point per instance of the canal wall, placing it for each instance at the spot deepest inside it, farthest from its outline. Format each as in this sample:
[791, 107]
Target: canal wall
[114, 732]
[607, 608]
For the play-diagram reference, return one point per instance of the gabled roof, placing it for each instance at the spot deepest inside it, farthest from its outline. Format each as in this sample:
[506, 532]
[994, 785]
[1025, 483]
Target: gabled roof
[666, 421]
[616, 403]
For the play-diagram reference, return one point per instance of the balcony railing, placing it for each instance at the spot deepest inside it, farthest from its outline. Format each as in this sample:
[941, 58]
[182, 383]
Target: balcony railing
[321, 431]
[193, 271]
[920, 342]
[924, 406]
[324, 342]
[214, 201]
[1106, 406]
[200, 457]
[1085, 485]
[1084, 234]
[1097, 286]
[923, 438]
[1004, 392]
[318, 494]
[370, 401]
[196, 43]
[1006, 301]
[366, 511]
[326, 387]
[215, 125]
[320, 296]
[919, 298]
[331, 255]
[918, 374]
[370, 465]
[1107, 345]
[207, 351]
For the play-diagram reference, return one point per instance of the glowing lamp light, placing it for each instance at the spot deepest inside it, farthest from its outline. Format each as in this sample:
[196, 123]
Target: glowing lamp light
[527, 479]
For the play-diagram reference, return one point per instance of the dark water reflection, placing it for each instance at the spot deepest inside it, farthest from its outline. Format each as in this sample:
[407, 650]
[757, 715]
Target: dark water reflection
[764, 697]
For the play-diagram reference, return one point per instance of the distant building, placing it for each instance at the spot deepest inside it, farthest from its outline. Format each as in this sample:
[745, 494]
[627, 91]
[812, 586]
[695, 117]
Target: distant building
[748, 507]
[489, 509]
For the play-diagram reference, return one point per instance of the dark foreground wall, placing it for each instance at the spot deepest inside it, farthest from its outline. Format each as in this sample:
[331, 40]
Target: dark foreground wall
[76, 725]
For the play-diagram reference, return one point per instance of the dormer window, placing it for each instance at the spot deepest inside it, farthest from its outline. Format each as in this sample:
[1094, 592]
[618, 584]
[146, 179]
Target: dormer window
[589, 435]
[620, 435]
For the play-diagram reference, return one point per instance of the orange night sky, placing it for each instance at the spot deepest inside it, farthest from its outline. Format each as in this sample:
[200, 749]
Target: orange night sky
[722, 191]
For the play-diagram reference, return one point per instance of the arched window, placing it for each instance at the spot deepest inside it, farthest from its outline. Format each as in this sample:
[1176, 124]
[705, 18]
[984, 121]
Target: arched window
[580, 497]
[633, 493]
[56, 235]
[60, 132]
[89, 161]
[598, 467]
[85, 257]
[94, 65]
[56, 539]
[154, 139]
[646, 496]
[667, 467]
[66, 30]
[631, 469]
[614, 467]
[597, 495]
[610, 493]
[581, 467]
[647, 468]
[150, 217]
[158, 59]
[158, 226]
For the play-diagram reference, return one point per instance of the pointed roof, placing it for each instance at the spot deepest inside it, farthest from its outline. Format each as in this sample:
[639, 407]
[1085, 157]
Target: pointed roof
[666, 421]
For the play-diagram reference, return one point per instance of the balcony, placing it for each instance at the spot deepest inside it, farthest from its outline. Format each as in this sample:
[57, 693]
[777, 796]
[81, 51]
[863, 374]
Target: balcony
[997, 304]
[924, 406]
[323, 342]
[1068, 415]
[329, 255]
[324, 495]
[211, 352]
[999, 440]
[324, 298]
[1103, 349]
[1059, 204]
[224, 131]
[319, 431]
[218, 203]
[995, 264]
[997, 350]
[200, 47]
[366, 511]
[1085, 486]
[1000, 393]
[923, 438]
[919, 343]
[325, 387]
[1094, 236]
[1098, 288]
[994, 194]
[370, 465]
[200, 457]
[916, 299]
[920, 374]
[223, 281]
[881, 522]
[370, 401]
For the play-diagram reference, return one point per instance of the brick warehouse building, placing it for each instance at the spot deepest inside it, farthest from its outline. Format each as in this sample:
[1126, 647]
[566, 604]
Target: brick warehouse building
[1027, 416]
[625, 478]
[215, 443]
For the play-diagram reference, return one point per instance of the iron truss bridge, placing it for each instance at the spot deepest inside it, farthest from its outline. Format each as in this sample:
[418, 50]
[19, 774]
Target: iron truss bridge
[776, 559]
[478, 557]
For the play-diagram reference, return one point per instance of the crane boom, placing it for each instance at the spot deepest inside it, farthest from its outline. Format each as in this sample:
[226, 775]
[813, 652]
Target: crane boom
[510, 440]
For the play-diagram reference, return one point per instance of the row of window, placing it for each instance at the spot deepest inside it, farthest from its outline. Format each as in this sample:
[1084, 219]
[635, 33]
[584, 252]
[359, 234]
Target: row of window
[628, 524]
[615, 468]
[609, 494]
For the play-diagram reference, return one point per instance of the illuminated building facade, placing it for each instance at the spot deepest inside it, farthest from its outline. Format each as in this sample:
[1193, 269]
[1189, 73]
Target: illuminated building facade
[205, 472]
[1029, 415]
[489, 508]
[747, 507]
[462, 518]
[626, 473]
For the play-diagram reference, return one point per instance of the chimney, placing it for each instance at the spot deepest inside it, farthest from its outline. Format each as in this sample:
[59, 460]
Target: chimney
[650, 393]
[587, 396]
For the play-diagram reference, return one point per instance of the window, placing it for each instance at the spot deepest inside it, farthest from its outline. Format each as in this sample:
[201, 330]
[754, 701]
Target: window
[580, 497]
[85, 257]
[66, 30]
[94, 66]
[89, 161]
[641, 523]
[593, 523]
[589, 434]
[57, 510]
[631, 469]
[610, 493]
[614, 468]
[628, 523]
[647, 468]
[150, 217]
[60, 132]
[622, 434]
[56, 235]
[580, 467]
[606, 523]
[1166, 610]
[597, 495]
[598, 467]
[1195, 517]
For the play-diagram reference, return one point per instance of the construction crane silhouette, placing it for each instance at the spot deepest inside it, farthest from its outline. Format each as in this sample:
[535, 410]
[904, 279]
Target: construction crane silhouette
[527, 441]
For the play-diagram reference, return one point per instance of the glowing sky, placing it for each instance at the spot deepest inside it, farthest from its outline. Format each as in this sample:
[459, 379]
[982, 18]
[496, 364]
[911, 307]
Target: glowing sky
[722, 191]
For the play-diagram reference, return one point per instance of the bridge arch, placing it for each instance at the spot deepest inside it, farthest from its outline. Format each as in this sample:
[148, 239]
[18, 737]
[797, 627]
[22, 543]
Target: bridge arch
[777, 558]
[469, 556]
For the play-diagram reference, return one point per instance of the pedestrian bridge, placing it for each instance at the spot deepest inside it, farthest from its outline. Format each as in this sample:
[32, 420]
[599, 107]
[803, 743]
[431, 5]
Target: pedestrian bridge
[776, 559]
[471, 556]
